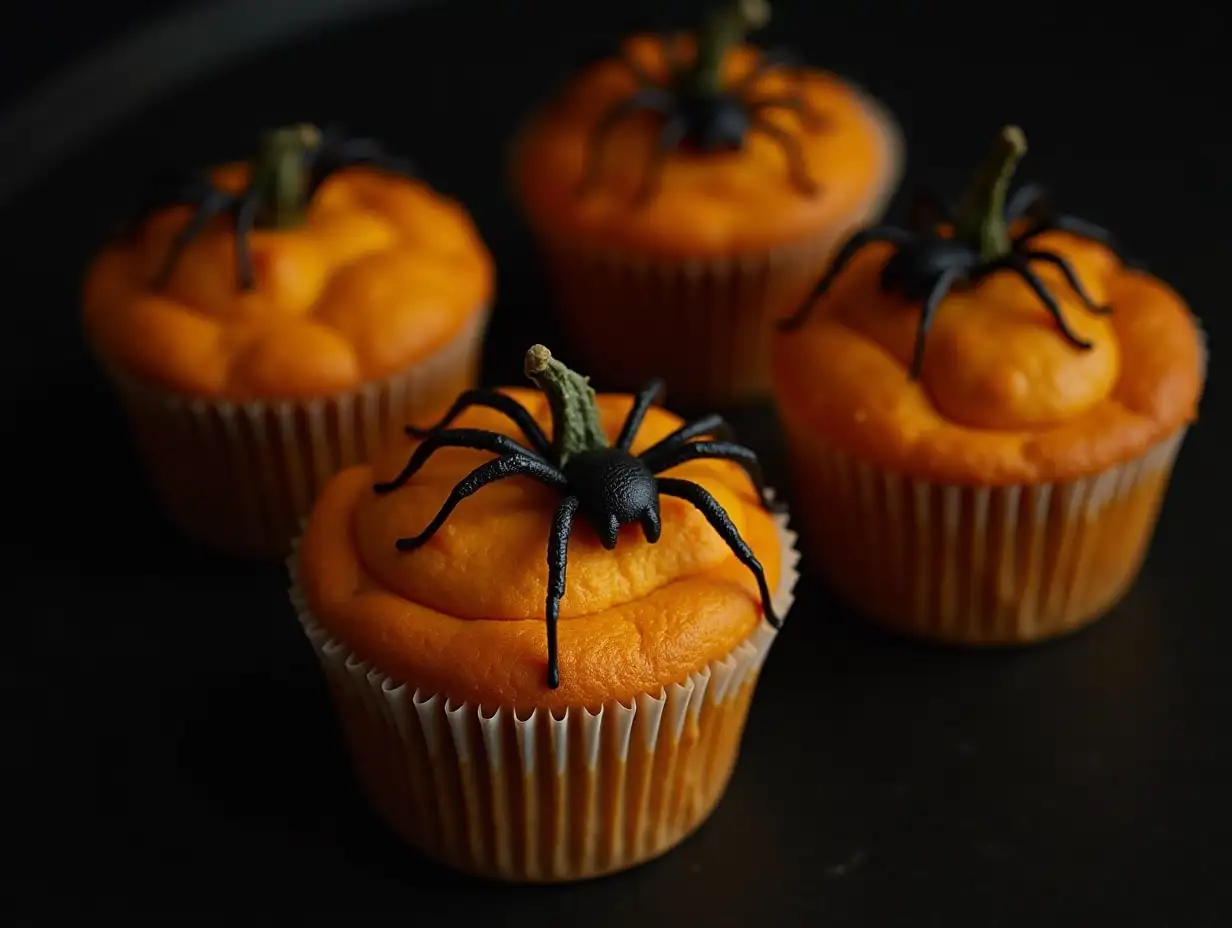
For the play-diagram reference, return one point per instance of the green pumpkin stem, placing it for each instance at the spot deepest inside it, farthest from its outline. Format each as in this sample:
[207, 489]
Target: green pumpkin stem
[576, 426]
[281, 177]
[724, 29]
[981, 211]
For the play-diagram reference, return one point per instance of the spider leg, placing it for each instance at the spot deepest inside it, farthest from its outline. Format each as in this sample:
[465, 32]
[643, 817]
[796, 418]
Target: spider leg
[652, 523]
[927, 314]
[645, 399]
[1067, 269]
[367, 153]
[1020, 267]
[1027, 200]
[841, 260]
[714, 425]
[214, 204]
[809, 117]
[716, 451]
[245, 222]
[164, 192]
[491, 399]
[796, 164]
[519, 465]
[719, 520]
[675, 128]
[558, 560]
[655, 99]
[474, 439]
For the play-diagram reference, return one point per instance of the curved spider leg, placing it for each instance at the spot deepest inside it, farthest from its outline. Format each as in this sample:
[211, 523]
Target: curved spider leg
[644, 400]
[927, 210]
[1020, 267]
[1071, 277]
[721, 522]
[675, 128]
[474, 439]
[927, 313]
[502, 403]
[558, 561]
[245, 222]
[366, 153]
[652, 523]
[164, 192]
[717, 451]
[655, 99]
[713, 425]
[769, 60]
[519, 465]
[810, 119]
[1027, 200]
[796, 164]
[841, 259]
[214, 204]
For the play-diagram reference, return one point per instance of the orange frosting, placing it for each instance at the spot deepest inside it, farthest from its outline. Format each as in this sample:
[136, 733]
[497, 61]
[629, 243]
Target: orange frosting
[706, 204]
[463, 615]
[382, 273]
[1003, 398]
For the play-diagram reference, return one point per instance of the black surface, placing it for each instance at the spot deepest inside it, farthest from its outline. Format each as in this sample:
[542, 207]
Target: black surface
[168, 741]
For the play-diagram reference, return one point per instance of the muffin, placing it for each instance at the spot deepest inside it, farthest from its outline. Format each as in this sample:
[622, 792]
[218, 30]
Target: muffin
[271, 322]
[982, 416]
[504, 720]
[688, 192]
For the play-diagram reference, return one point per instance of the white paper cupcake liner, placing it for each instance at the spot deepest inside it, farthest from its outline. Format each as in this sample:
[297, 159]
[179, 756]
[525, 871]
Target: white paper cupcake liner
[547, 796]
[631, 316]
[240, 475]
[977, 565]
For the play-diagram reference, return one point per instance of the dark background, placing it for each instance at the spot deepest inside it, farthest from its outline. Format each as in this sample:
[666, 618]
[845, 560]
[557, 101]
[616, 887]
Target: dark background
[168, 743]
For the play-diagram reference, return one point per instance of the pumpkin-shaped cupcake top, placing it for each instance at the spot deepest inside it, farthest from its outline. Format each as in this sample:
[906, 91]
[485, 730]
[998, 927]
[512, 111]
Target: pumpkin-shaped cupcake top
[660, 549]
[321, 264]
[996, 343]
[699, 145]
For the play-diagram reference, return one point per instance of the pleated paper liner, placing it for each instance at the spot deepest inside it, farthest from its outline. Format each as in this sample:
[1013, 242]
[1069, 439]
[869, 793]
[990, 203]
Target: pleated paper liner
[546, 796]
[629, 317]
[973, 565]
[240, 476]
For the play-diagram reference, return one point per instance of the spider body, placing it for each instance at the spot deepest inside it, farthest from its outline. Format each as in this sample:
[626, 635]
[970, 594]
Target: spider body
[614, 489]
[290, 168]
[950, 248]
[608, 486]
[700, 112]
[714, 121]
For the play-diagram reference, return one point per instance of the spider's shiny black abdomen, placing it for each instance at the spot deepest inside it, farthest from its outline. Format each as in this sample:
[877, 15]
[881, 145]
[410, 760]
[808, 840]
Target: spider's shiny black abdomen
[914, 268]
[613, 488]
[717, 122]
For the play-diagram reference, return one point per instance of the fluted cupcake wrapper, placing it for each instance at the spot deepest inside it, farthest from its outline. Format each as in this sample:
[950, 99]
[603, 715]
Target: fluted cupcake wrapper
[545, 796]
[240, 475]
[977, 565]
[709, 322]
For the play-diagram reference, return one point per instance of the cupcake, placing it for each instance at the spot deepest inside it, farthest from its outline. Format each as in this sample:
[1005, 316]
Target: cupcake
[982, 415]
[546, 678]
[688, 192]
[269, 323]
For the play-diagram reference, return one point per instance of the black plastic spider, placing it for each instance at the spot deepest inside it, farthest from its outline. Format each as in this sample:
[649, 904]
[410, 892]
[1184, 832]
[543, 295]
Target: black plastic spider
[928, 263]
[702, 114]
[607, 484]
[291, 165]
